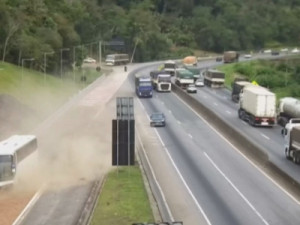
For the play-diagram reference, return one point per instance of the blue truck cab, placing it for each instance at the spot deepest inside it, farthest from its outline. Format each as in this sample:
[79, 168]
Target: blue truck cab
[143, 86]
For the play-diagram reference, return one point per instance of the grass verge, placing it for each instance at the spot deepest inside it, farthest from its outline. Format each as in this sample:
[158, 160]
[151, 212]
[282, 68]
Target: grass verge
[123, 199]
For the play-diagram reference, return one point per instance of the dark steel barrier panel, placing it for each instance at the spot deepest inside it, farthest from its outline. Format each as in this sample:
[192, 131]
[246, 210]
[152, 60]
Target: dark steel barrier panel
[241, 141]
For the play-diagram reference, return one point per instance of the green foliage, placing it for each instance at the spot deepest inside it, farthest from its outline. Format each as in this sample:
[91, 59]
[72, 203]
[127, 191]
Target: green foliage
[154, 27]
[282, 76]
[123, 200]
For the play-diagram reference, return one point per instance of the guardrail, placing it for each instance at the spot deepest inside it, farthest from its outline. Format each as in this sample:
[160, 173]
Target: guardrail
[252, 150]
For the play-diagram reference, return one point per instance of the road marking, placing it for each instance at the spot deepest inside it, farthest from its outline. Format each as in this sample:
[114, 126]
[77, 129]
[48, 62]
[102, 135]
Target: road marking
[178, 122]
[237, 190]
[28, 207]
[182, 179]
[190, 135]
[239, 152]
[216, 104]
[155, 179]
[228, 112]
[265, 136]
[244, 122]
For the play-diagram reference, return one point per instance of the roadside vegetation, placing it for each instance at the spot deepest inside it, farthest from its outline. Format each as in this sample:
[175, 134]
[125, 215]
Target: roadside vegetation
[282, 76]
[123, 199]
[156, 29]
[40, 91]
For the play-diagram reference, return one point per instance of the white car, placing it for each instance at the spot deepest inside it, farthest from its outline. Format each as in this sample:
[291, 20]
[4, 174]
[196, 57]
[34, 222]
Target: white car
[247, 56]
[199, 83]
[191, 88]
[268, 51]
[295, 50]
[89, 60]
[284, 50]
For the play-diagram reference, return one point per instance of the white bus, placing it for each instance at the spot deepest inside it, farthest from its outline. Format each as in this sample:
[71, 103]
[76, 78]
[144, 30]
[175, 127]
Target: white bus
[116, 59]
[12, 151]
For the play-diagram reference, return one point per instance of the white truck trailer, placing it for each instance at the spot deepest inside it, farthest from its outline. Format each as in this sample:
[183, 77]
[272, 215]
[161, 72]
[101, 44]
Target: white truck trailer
[292, 144]
[257, 106]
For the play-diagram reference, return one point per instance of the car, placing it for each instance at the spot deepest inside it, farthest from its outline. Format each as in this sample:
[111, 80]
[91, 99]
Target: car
[295, 50]
[268, 51]
[191, 88]
[247, 56]
[284, 50]
[157, 119]
[89, 60]
[219, 59]
[199, 83]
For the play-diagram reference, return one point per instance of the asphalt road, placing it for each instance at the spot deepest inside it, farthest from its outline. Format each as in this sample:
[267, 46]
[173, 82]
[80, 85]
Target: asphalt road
[228, 188]
[269, 139]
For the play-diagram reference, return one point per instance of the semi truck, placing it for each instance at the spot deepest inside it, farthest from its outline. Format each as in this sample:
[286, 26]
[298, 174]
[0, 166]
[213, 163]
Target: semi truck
[237, 87]
[190, 61]
[257, 106]
[161, 81]
[292, 144]
[195, 70]
[231, 56]
[170, 67]
[214, 78]
[288, 108]
[143, 86]
[183, 78]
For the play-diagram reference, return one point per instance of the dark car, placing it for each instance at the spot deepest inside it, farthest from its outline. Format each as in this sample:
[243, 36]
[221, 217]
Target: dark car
[157, 119]
[275, 53]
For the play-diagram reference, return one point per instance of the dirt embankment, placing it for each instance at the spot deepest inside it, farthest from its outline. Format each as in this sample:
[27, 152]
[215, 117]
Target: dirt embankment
[15, 117]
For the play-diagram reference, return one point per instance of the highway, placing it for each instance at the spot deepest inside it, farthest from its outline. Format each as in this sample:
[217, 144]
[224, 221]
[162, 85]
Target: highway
[269, 139]
[228, 188]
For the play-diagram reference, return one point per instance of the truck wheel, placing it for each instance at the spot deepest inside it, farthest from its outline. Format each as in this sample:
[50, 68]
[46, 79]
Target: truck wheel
[287, 155]
[251, 121]
[240, 113]
[295, 158]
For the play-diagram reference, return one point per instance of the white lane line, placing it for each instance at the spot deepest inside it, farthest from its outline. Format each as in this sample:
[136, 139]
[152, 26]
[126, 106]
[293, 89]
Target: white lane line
[184, 182]
[228, 112]
[216, 104]
[265, 136]
[237, 190]
[190, 135]
[27, 208]
[244, 122]
[239, 152]
[155, 179]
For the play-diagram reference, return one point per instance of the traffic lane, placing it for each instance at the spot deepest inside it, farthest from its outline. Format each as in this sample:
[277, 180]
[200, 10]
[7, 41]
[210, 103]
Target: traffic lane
[241, 172]
[181, 205]
[225, 108]
[59, 206]
[222, 97]
[205, 187]
[269, 138]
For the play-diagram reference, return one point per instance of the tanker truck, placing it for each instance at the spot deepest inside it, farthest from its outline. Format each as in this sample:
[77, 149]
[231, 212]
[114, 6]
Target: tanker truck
[288, 108]
[257, 106]
[190, 61]
[292, 144]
